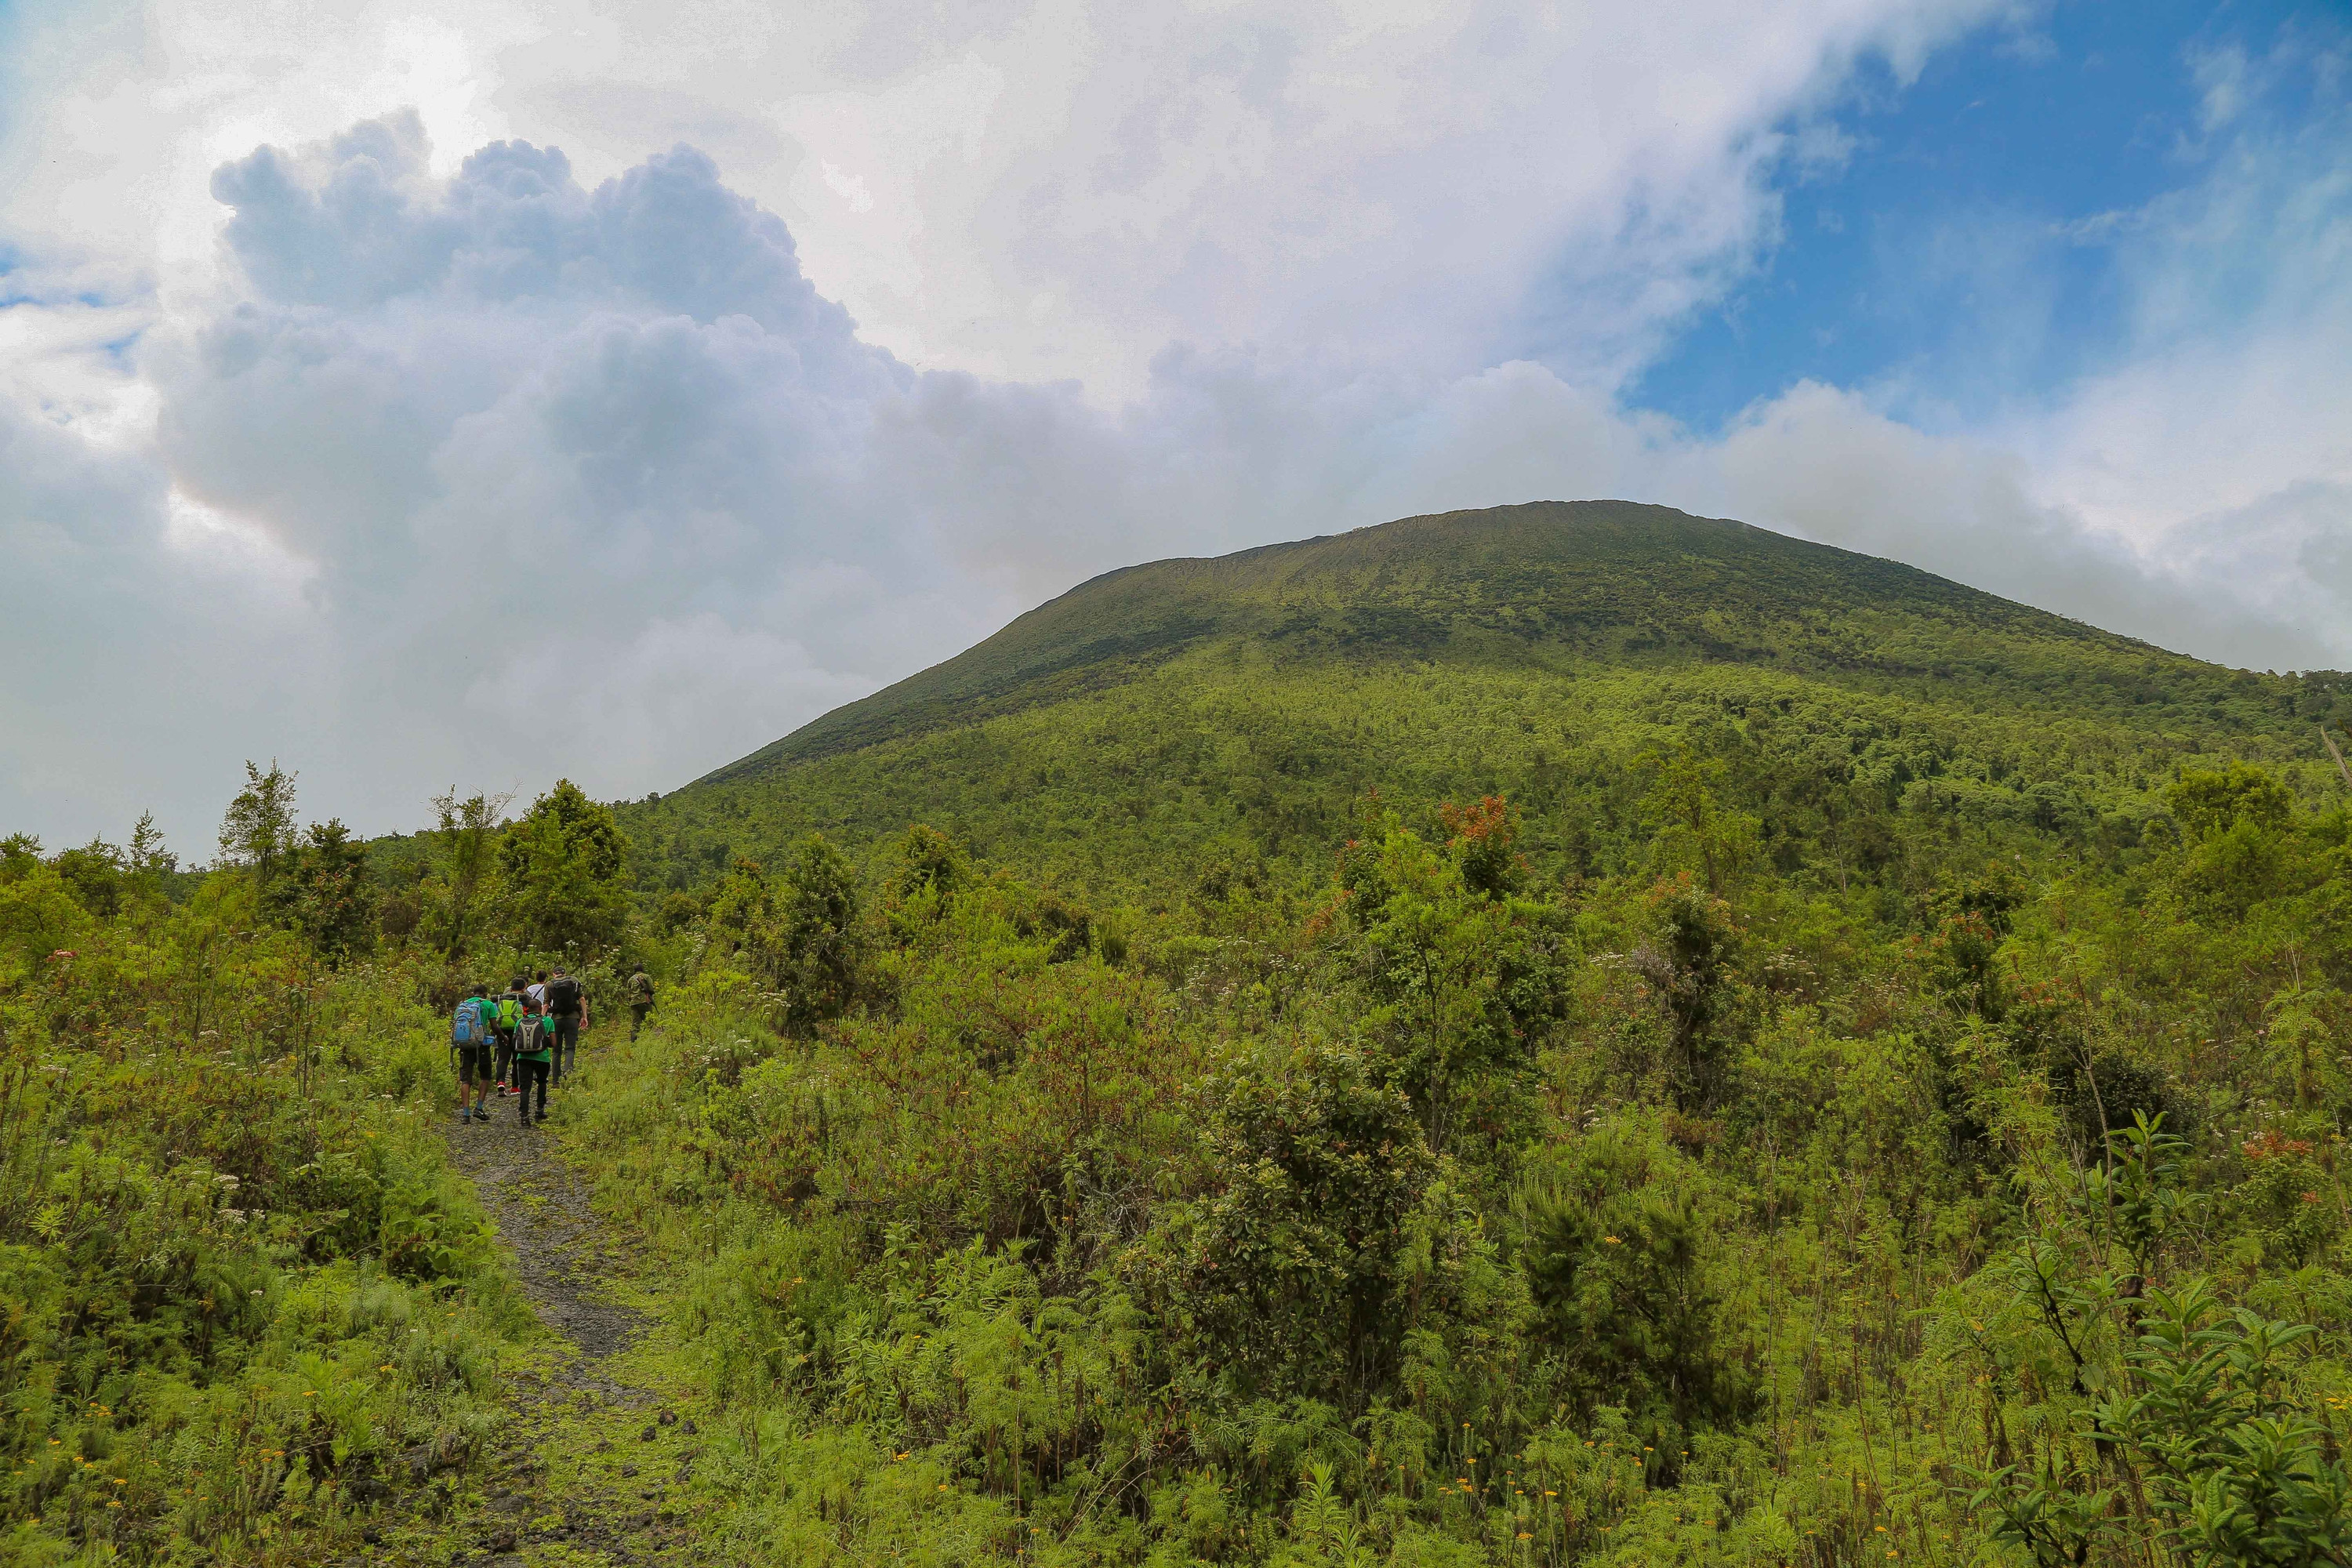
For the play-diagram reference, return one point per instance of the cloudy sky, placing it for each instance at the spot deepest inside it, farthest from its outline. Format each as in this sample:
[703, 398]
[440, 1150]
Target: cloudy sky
[474, 394]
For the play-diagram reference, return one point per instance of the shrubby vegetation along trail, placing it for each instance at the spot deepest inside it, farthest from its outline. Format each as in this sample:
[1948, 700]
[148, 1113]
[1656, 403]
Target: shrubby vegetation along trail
[1569, 1036]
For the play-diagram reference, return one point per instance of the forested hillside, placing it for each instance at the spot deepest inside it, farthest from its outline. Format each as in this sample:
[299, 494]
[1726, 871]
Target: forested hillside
[1574, 1034]
[1162, 718]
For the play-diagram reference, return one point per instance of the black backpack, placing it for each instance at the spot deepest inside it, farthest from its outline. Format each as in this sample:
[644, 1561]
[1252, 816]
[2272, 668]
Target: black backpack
[563, 995]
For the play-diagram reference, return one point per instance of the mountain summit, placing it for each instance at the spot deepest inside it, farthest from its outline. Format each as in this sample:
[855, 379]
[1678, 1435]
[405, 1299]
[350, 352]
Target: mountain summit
[1186, 700]
[1599, 579]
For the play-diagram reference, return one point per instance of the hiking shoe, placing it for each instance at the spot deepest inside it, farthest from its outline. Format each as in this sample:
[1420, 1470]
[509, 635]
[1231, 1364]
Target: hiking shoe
[541, 1116]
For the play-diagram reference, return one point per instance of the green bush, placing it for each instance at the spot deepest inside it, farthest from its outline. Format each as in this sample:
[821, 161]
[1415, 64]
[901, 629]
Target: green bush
[239, 1278]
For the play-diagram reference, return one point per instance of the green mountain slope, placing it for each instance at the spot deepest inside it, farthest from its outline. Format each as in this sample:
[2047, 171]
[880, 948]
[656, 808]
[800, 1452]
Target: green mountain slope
[1192, 709]
[1801, 1124]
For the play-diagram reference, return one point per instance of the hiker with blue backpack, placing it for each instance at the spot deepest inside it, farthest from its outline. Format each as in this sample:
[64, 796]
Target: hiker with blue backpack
[473, 1031]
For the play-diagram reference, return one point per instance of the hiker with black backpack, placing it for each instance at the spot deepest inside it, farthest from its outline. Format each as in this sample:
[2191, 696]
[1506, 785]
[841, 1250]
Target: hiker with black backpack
[567, 1015]
[472, 1029]
[532, 1064]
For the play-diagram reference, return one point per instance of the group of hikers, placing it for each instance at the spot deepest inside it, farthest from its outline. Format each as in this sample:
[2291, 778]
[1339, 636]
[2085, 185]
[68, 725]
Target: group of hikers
[519, 1039]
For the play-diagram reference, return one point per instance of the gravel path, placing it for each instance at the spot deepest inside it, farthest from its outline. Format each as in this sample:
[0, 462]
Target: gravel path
[589, 1459]
[562, 1249]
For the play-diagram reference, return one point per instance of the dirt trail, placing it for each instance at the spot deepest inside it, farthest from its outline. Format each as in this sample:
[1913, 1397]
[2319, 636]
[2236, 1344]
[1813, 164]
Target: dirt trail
[588, 1464]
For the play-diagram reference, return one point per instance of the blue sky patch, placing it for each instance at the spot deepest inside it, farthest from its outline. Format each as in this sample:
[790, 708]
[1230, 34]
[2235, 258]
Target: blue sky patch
[1969, 243]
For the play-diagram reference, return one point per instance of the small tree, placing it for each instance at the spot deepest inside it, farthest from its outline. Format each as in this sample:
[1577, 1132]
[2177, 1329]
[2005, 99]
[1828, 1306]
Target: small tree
[20, 856]
[561, 863]
[327, 893]
[1292, 1272]
[1694, 828]
[1974, 916]
[800, 933]
[816, 934]
[1480, 839]
[1687, 963]
[928, 859]
[37, 916]
[927, 870]
[464, 833]
[148, 860]
[96, 873]
[259, 830]
[1617, 1240]
[1458, 973]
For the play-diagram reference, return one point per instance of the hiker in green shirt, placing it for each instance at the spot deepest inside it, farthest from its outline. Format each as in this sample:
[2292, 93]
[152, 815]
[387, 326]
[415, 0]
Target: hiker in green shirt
[510, 1005]
[472, 1031]
[534, 1061]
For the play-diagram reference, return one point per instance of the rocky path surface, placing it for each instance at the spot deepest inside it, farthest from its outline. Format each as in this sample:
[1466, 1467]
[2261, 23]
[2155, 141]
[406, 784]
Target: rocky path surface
[591, 1466]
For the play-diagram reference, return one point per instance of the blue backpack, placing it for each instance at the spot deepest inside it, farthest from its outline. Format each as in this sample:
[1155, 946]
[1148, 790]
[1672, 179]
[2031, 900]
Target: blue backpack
[466, 1028]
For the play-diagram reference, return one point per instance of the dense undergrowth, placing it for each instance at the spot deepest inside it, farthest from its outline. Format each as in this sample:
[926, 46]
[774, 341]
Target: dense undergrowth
[1763, 1177]
[1233, 753]
[1822, 1115]
[243, 1300]
[1729, 1205]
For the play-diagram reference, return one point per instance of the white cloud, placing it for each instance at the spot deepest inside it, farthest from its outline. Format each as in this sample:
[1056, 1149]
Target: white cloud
[136, 641]
[454, 459]
[1046, 190]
